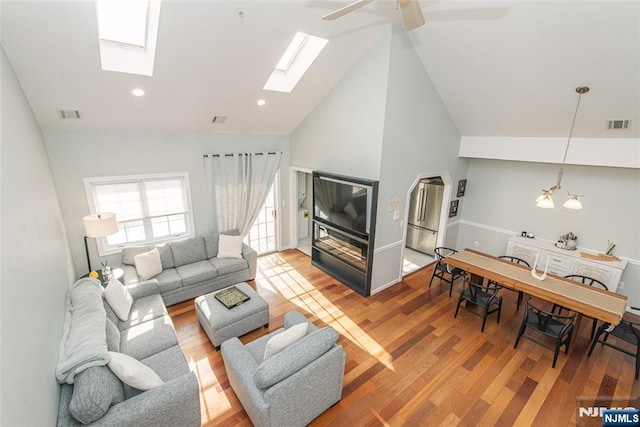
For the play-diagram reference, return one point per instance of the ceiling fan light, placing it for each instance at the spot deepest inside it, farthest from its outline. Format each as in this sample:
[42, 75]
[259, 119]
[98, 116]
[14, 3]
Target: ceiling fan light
[572, 203]
[545, 202]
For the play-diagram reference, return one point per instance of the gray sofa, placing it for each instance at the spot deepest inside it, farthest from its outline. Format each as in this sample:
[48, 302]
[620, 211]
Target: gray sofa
[98, 397]
[292, 387]
[190, 267]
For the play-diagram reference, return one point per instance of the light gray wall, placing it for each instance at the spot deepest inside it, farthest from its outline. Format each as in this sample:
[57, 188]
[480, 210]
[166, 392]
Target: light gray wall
[419, 138]
[500, 199]
[36, 266]
[77, 155]
[343, 134]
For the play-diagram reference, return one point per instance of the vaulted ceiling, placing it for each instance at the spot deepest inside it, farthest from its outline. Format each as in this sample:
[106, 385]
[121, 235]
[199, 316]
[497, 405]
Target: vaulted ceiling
[502, 68]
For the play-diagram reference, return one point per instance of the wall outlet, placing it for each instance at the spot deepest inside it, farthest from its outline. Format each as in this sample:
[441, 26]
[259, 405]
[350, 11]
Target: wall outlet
[476, 244]
[620, 285]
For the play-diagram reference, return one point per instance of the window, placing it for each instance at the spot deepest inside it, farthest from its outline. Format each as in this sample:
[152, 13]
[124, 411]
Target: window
[128, 34]
[296, 60]
[149, 208]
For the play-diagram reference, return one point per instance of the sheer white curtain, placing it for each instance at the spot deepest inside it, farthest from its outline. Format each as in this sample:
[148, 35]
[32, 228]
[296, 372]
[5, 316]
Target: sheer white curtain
[237, 187]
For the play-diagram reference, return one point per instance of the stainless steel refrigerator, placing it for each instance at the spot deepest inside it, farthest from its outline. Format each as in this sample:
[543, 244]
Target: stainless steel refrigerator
[424, 215]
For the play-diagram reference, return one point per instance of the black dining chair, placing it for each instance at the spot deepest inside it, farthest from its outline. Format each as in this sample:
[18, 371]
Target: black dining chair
[515, 260]
[626, 331]
[485, 297]
[443, 271]
[586, 281]
[549, 324]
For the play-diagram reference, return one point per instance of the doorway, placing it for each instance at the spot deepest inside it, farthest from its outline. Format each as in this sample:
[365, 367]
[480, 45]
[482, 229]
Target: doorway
[262, 235]
[427, 216]
[302, 203]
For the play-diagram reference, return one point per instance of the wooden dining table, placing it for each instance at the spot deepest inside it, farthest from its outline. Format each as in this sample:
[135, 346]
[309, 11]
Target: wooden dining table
[588, 300]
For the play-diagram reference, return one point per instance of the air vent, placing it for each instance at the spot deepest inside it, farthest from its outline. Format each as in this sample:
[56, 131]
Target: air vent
[618, 124]
[69, 114]
[219, 119]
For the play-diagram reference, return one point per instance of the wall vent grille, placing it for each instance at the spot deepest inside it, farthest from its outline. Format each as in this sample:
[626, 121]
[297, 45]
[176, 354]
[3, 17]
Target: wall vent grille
[219, 119]
[618, 124]
[69, 114]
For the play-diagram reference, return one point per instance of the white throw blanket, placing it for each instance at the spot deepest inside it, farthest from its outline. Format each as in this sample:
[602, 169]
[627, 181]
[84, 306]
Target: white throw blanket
[84, 338]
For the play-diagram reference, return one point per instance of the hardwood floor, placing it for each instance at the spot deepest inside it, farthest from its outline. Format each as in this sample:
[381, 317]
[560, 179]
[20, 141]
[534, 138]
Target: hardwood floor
[409, 362]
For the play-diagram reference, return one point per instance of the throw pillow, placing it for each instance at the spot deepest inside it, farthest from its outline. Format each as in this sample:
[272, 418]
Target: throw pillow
[94, 391]
[133, 372]
[118, 298]
[148, 264]
[280, 341]
[229, 246]
[351, 211]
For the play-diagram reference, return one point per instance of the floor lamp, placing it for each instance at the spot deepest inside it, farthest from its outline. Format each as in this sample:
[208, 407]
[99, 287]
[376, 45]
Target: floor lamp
[96, 226]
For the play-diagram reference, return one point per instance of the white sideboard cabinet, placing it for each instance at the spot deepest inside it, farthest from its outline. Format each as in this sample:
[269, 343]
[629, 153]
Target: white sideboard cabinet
[564, 262]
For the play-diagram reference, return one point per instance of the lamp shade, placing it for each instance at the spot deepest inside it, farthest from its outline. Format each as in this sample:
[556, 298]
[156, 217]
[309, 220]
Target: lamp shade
[100, 225]
[545, 201]
[572, 203]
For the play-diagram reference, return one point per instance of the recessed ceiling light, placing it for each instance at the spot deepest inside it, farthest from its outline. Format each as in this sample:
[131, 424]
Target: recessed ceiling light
[261, 102]
[137, 92]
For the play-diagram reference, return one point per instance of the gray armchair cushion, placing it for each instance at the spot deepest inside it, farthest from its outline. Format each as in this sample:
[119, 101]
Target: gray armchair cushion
[143, 310]
[229, 265]
[149, 338]
[166, 256]
[169, 280]
[94, 391]
[211, 242]
[188, 251]
[143, 289]
[113, 336]
[295, 357]
[129, 253]
[196, 272]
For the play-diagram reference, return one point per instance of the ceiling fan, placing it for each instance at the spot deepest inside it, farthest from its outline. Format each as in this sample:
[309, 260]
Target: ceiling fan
[411, 12]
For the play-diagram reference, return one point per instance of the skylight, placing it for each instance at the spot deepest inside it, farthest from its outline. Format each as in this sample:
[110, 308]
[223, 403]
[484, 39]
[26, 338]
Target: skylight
[128, 30]
[295, 62]
[123, 22]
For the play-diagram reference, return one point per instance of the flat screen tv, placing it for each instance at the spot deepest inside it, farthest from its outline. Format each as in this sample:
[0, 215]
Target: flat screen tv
[343, 202]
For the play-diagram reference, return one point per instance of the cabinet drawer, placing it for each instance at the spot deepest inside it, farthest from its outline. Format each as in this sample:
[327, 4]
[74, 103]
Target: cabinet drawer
[559, 262]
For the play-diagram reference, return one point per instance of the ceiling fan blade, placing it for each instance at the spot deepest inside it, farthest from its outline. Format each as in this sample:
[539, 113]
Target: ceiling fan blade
[411, 13]
[340, 12]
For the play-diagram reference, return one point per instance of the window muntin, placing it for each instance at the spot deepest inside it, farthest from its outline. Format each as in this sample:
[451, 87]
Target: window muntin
[149, 208]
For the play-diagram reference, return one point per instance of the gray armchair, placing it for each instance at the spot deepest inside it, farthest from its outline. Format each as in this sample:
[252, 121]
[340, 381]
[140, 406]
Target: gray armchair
[292, 387]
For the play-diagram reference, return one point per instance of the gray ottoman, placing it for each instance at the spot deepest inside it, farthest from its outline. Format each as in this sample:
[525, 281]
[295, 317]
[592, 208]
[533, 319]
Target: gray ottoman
[221, 323]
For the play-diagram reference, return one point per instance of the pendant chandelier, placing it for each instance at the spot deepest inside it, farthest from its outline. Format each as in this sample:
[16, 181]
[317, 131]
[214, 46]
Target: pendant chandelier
[544, 200]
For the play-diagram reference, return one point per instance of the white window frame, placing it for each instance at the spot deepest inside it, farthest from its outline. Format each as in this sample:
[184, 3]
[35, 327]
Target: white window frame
[103, 247]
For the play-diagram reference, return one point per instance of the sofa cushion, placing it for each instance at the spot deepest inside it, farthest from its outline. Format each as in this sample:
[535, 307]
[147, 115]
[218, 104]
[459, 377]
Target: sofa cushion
[196, 272]
[118, 298]
[169, 364]
[166, 256]
[129, 253]
[148, 264]
[229, 246]
[168, 280]
[188, 251]
[94, 391]
[280, 341]
[144, 309]
[211, 242]
[148, 338]
[133, 372]
[229, 265]
[113, 336]
[295, 357]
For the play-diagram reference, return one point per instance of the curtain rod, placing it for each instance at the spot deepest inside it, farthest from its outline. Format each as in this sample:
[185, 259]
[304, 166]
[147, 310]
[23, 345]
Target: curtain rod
[238, 154]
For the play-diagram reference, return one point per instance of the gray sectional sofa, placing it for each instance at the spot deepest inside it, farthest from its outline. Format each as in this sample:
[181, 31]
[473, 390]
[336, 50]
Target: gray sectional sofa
[190, 267]
[97, 396]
